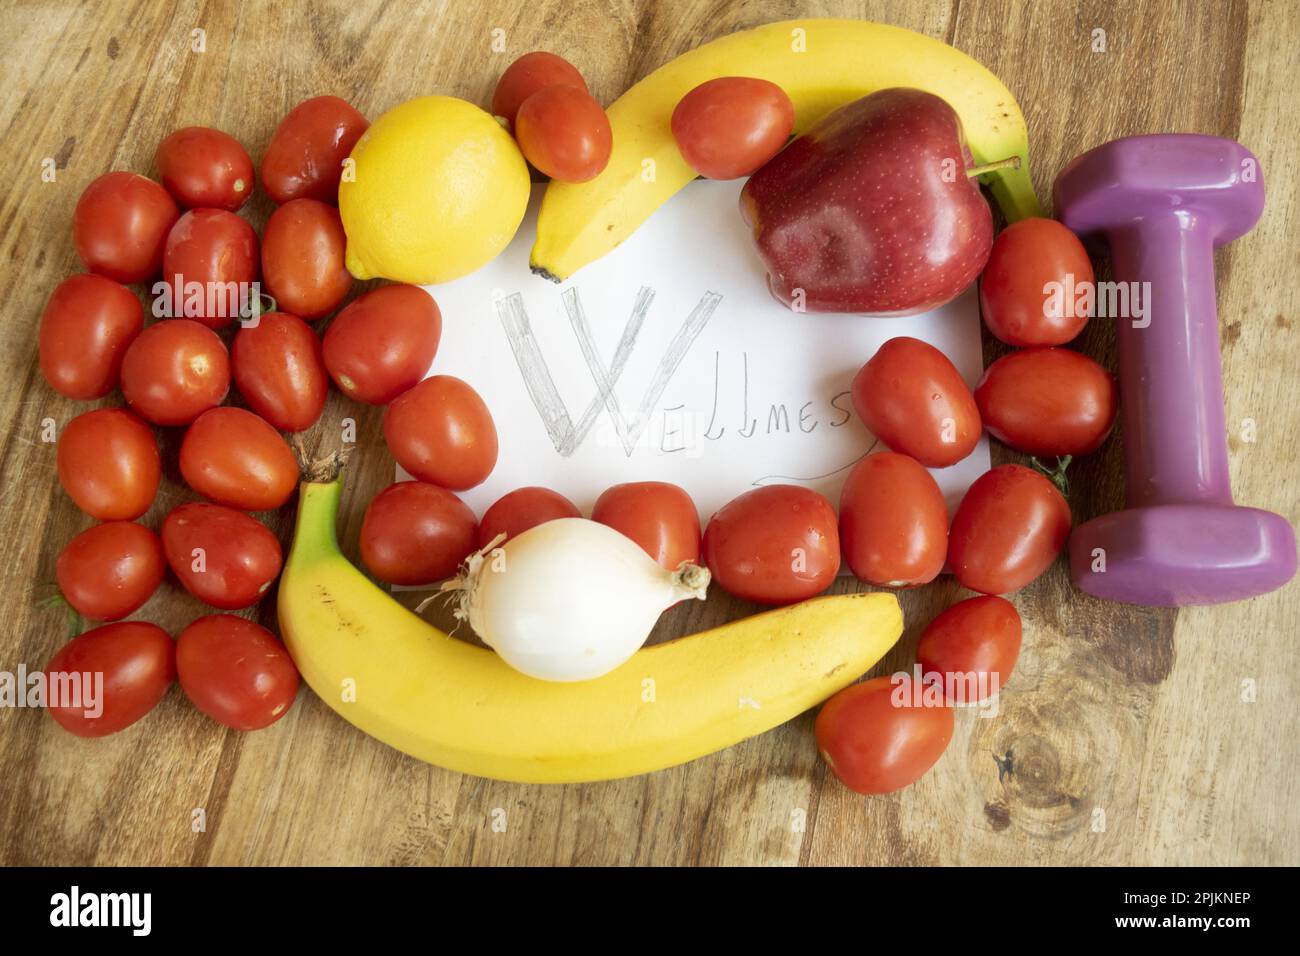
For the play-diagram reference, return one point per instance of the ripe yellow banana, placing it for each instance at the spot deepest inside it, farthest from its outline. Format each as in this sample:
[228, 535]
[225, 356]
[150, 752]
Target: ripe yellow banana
[821, 64]
[459, 706]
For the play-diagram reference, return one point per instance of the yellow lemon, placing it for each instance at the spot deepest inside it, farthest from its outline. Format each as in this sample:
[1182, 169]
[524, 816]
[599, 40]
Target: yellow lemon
[437, 190]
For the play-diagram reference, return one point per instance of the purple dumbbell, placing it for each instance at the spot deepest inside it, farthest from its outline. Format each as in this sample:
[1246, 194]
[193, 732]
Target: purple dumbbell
[1163, 203]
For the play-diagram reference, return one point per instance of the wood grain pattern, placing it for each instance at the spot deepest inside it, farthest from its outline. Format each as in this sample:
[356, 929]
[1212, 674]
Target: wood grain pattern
[1127, 735]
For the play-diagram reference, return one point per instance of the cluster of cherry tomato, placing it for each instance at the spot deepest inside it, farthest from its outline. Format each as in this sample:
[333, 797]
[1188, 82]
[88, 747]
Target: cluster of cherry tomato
[177, 372]
[724, 129]
[559, 126]
[417, 532]
[1009, 526]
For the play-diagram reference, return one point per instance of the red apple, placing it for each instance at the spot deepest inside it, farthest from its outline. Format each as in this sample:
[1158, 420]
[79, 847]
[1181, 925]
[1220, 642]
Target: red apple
[871, 210]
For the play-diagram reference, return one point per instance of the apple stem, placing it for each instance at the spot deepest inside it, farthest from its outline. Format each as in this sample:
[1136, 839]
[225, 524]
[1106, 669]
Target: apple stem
[1011, 162]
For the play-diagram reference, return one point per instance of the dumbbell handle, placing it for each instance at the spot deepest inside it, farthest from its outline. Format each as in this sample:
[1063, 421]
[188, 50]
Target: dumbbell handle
[1175, 443]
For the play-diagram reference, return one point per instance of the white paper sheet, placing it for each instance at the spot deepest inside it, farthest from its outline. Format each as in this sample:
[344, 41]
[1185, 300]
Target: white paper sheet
[718, 387]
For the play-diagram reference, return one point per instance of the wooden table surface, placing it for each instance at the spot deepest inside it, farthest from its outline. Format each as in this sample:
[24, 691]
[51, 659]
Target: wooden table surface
[1127, 735]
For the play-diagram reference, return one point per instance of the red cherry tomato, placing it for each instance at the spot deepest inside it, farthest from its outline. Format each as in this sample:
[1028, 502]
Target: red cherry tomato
[221, 556]
[137, 662]
[1030, 287]
[914, 400]
[174, 371]
[279, 370]
[85, 329]
[110, 570]
[441, 432]
[1047, 402]
[109, 464]
[210, 264]
[235, 671]
[204, 167]
[302, 258]
[528, 74]
[515, 512]
[120, 226]
[777, 544]
[234, 458]
[893, 521]
[728, 127]
[305, 157]
[564, 133]
[1008, 530]
[660, 517]
[416, 533]
[383, 343]
[971, 648]
[879, 736]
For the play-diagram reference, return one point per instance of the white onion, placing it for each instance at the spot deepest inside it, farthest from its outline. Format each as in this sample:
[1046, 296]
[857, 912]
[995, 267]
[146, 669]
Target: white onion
[570, 599]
